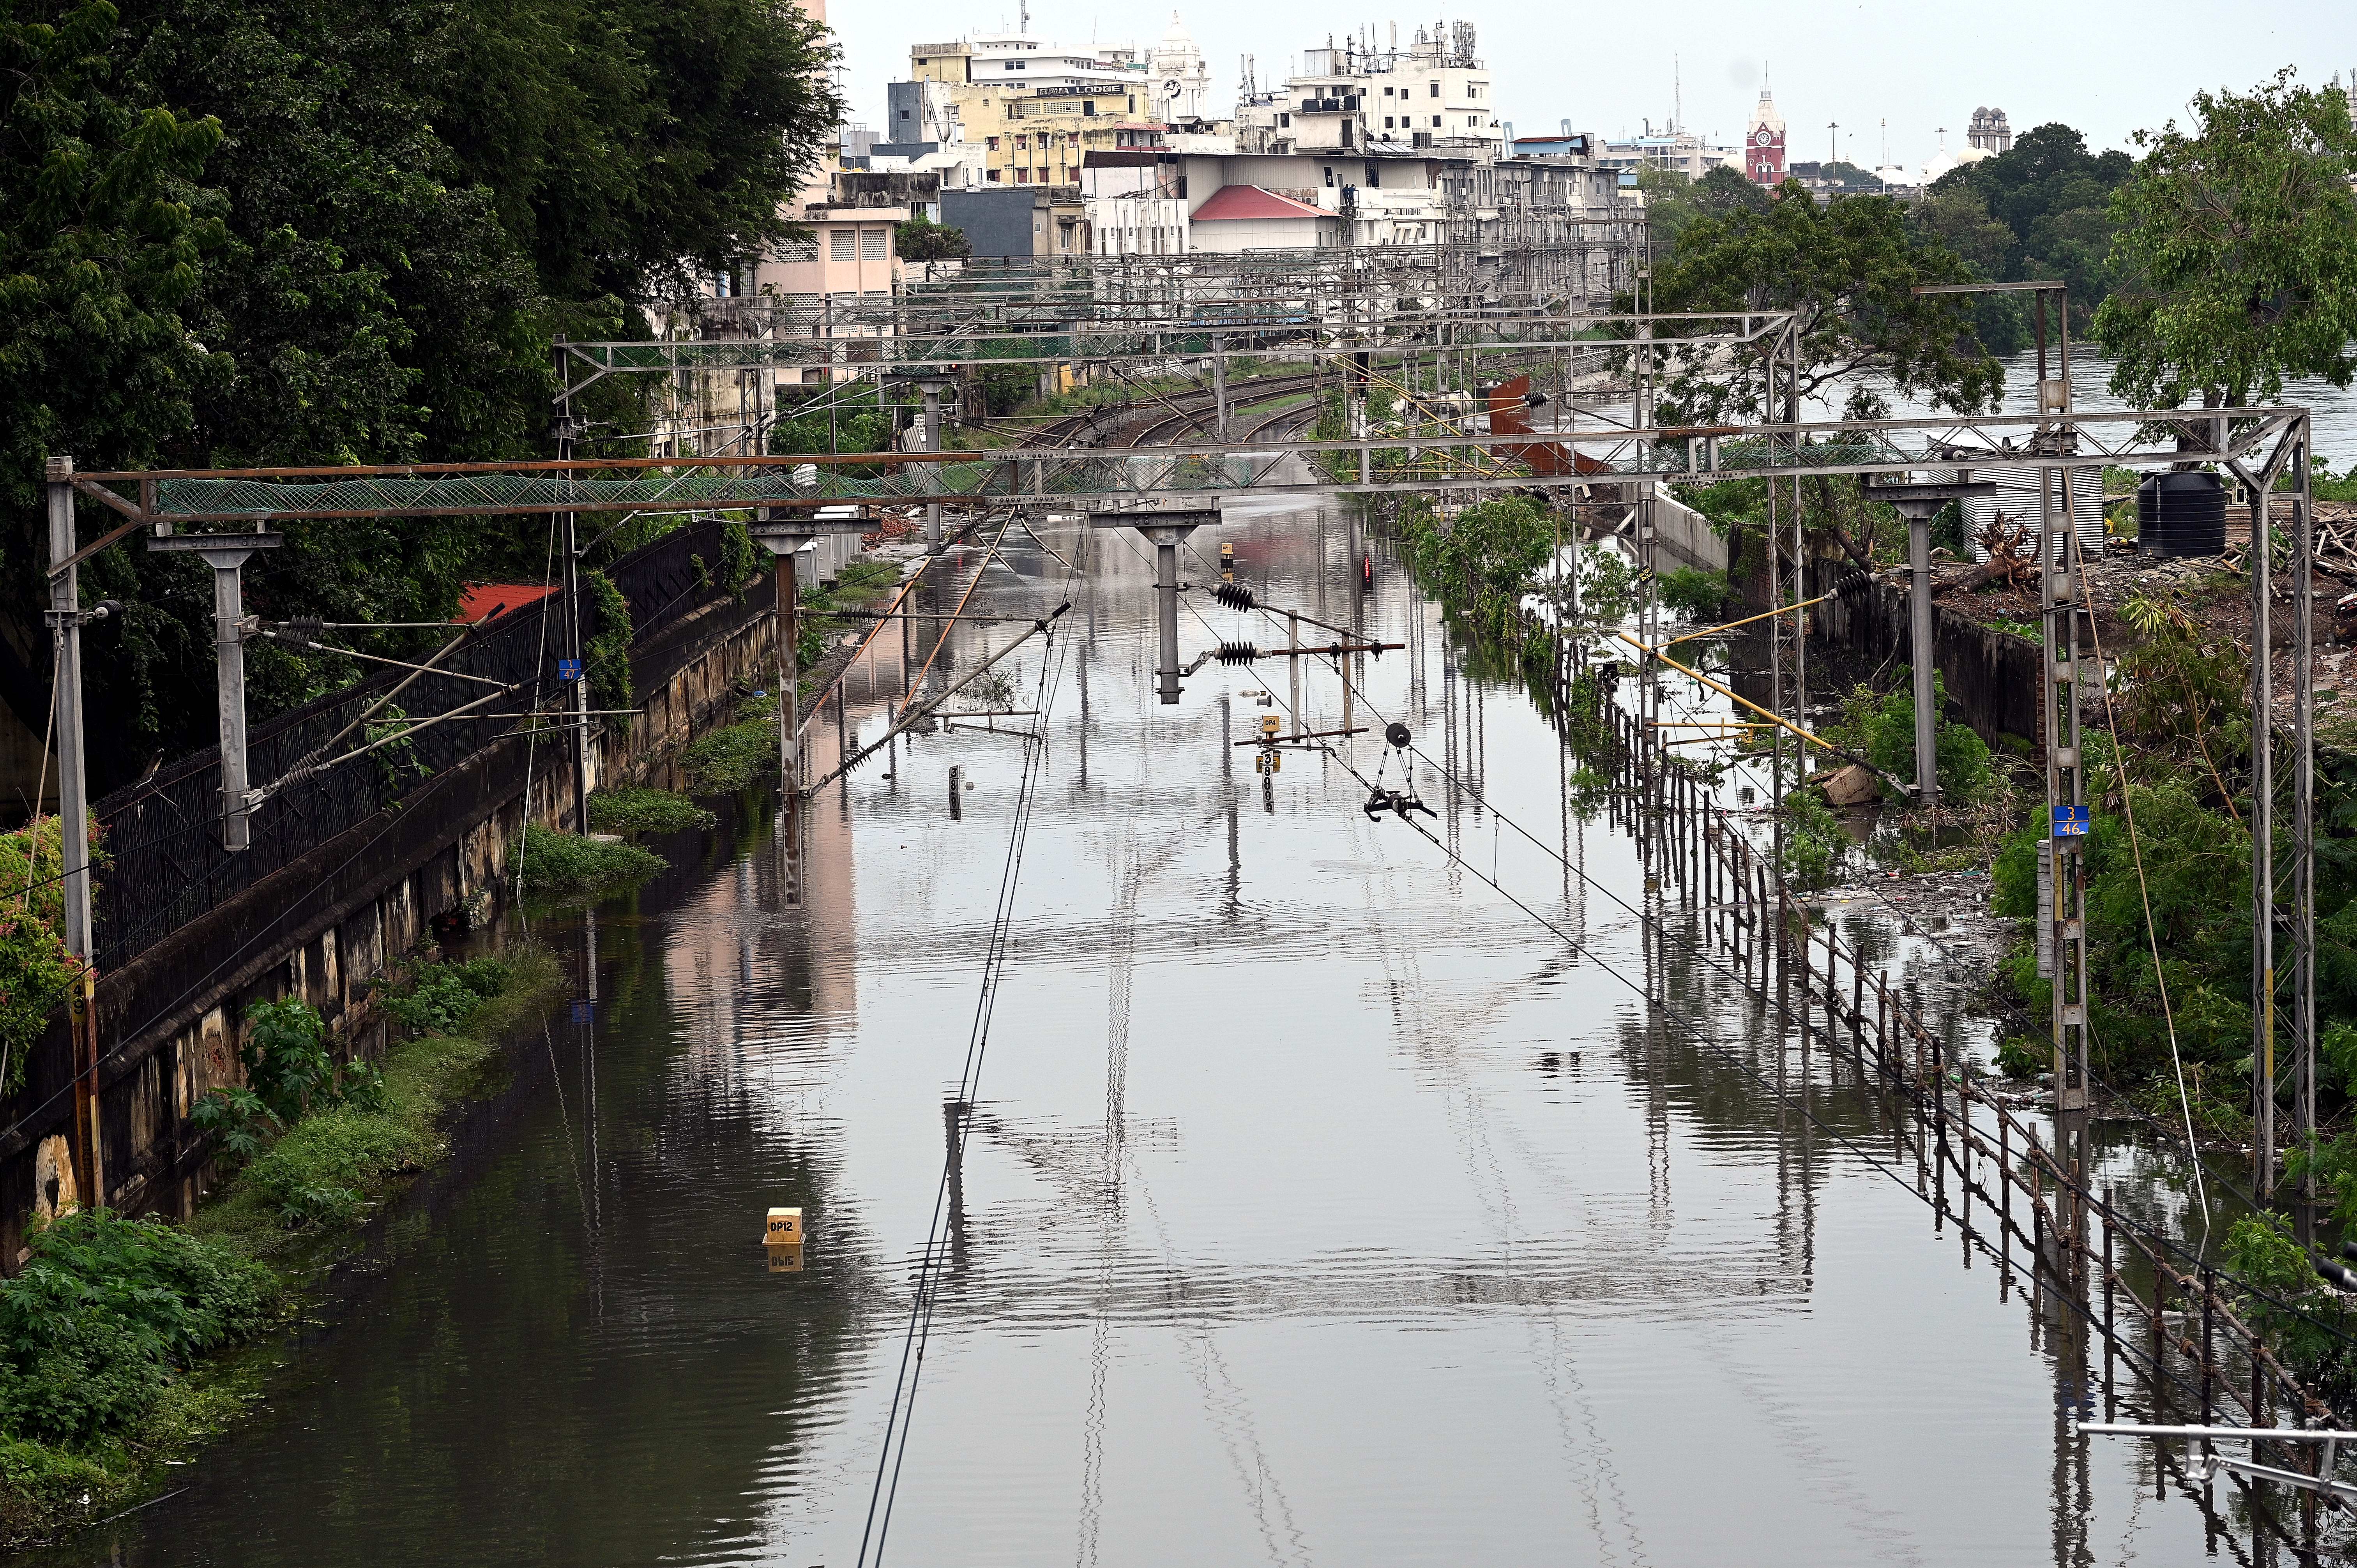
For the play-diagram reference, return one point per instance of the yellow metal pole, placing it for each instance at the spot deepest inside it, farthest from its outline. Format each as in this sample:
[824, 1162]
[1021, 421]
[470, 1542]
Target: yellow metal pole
[1776, 719]
[1747, 620]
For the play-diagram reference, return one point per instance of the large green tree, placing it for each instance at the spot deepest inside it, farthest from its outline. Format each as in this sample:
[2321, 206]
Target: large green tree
[2236, 256]
[2041, 209]
[377, 214]
[1846, 269]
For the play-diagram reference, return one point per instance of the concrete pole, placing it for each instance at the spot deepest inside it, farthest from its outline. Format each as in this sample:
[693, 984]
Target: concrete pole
[1219, 388]
[932, 470]
[790, 676]
[1165, 610]
[229, 660]
[73, 777]
[74, 812]
[1293, 672]
[1918, 627]
[578, 699]
[2263, 866]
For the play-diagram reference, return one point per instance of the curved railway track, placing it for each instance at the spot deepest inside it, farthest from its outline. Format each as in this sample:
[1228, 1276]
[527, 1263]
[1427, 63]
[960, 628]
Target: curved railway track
[1187, 410]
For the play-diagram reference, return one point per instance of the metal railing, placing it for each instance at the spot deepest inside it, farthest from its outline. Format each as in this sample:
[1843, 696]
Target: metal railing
[164, 864]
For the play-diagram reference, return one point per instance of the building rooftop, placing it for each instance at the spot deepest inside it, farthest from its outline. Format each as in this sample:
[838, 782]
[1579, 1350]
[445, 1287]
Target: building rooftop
[1240, 202]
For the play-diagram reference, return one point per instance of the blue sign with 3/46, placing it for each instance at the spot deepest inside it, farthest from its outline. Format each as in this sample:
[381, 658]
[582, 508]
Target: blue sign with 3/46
[568, 669]
[2070, 821]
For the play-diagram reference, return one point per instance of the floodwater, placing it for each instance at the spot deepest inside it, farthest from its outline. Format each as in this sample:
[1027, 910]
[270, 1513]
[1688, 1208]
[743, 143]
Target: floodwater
[1319, 1203]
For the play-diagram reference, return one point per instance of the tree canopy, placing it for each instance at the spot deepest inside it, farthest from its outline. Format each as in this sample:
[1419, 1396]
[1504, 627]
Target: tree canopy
[1847, 269]
[238, 231]
[2041, 209]
[2236, 256]
[922, 240]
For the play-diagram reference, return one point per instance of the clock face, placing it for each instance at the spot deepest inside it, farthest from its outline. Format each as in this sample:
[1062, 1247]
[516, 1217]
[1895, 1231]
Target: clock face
[1170, 90]
[1762, 138]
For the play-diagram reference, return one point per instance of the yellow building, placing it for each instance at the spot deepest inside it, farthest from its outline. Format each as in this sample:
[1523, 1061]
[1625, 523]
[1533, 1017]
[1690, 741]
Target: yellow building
[1036, 109]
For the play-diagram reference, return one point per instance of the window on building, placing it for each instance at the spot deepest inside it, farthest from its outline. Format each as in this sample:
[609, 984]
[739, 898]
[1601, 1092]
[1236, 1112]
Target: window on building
[1023, 142]
[994, 176]
[1090, 107]
[1472, 90]
[1375, 176]
[1387, 122]
[874, 243]
[1346, 132]
[1329, 178]
[993, 144]
[1284, 122]
[841, 245]
[1023, 177]
[1435, 89]
[1435, 122]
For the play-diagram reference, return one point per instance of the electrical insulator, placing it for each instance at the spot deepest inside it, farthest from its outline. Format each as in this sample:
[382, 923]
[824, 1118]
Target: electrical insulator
[1237, 653]
[1235, 596]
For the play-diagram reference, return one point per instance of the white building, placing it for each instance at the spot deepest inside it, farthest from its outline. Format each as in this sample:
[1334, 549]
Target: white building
[1180, 81]
[1435, 92]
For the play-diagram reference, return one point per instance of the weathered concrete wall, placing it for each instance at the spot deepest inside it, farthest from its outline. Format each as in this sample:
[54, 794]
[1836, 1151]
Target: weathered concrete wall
[1685, 535]
[325, 925]
[1991, 677]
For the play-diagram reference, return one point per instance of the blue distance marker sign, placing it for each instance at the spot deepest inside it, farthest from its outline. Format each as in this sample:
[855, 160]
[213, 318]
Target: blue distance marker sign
[584, 1011]
[568, 669]
[2070, 821]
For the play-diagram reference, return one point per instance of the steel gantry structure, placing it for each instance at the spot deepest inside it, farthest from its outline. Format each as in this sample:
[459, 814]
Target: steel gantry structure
[1583, 450]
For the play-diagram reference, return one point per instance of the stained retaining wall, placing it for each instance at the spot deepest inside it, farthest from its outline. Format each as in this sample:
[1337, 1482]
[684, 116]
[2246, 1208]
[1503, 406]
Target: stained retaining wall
[324, 924]
[1991, 677]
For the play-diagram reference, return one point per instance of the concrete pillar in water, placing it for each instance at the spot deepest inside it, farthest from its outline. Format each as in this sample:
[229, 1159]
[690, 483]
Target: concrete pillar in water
[1917, 503]
[1165, 531]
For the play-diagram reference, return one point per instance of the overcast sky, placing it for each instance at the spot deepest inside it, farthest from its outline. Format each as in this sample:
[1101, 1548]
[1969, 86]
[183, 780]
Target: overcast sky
[2106, 66]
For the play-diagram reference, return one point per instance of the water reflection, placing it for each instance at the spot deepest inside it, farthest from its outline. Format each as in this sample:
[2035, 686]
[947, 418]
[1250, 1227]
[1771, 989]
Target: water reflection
[1318, 1203]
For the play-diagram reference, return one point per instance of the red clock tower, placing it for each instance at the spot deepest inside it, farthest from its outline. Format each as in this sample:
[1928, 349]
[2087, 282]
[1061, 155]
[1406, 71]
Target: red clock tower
[1763, 143]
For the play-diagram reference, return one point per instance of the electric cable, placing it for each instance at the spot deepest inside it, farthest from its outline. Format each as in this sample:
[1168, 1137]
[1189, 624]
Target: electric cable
[1661, 932]
[900, 1413]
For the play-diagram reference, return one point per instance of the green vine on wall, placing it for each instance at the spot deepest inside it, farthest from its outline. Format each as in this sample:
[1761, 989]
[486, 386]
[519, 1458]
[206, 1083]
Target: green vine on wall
[608, 652]
[36, 969]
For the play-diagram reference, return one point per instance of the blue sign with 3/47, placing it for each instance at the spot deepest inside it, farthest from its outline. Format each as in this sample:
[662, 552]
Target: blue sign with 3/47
[568, 669]
[2070, 821]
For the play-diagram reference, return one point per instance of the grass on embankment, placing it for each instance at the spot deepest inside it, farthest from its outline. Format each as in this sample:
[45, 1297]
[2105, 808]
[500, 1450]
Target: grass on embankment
[118, 1342]
[634, 810]
[550, 865]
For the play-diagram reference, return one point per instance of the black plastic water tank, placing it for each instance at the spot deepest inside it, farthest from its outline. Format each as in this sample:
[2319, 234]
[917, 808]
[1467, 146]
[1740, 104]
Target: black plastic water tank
[2181, 513]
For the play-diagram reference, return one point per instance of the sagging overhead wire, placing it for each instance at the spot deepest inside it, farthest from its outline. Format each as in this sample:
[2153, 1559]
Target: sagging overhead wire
[1694, 952]
[900, 1413]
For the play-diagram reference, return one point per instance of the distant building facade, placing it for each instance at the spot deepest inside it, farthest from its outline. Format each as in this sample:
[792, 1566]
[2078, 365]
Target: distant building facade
[1764, 142]
[1989, 131]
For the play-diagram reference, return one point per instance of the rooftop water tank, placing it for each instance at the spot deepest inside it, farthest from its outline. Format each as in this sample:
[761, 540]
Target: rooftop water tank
[2181, 513]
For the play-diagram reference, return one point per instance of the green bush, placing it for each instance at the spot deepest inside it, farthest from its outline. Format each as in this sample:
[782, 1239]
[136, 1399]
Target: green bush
[107, 1310]
[36, 969]
[548, 862]
[2311, 1330]
[1693, 593]
[646, 811]
[2196, 863]
[1881, 727]
[606, 656]
[1608, 583]
[1813, 841]
[441, 997]
[2021, 1057]
[731, 759]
